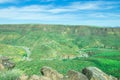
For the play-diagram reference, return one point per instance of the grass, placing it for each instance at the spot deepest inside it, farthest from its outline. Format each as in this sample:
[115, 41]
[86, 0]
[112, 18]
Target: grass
[111, 67]
[108, 65]
[10, 75]
[61, 66]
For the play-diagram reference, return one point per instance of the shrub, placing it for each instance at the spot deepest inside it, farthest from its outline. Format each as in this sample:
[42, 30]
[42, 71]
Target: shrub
[10, 74]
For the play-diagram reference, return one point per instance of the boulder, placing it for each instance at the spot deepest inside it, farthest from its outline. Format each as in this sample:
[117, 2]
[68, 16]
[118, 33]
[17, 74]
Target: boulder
[94, 73]
[7, 63]
[34, 77]
[23, 77]
[74, 75]
[1, 67]
[5, 58]
[50, 73]
[44, 78]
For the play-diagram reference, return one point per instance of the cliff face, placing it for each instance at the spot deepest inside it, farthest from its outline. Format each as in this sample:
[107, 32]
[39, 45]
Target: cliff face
[88, 73]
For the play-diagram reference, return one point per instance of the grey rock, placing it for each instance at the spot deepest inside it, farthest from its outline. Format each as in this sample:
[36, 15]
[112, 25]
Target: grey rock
[23, 77]
[74, 75]
[1, 67]
[5, 61]
[44, 78]
[94, 73]
[50, 73]
[34, 77]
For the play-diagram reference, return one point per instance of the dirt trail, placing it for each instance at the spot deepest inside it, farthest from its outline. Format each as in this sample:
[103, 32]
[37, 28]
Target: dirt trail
[27, 50]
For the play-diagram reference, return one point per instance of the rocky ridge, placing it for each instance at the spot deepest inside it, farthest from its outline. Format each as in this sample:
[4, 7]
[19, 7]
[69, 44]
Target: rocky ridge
[88, 73]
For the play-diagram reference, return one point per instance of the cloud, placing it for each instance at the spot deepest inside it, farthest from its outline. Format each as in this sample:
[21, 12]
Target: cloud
[33, 12]
[93, 5]
[75, 12]
[84, 6]
[6, 1]
[80, 6]
[41, 12]
[47, 0]
[74, 7]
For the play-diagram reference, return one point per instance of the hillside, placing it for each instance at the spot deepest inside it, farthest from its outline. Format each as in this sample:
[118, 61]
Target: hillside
[60, 46]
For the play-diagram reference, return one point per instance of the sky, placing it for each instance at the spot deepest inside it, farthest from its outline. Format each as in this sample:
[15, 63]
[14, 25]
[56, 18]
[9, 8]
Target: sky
[69, 12]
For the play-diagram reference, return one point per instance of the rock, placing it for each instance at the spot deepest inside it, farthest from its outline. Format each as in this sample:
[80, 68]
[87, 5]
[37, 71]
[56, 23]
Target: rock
[50, 73]
[94, 73]
[34, 77]
[1, 67]
[7, 63]
[23, 77]
[44, 78]
[5, 58]
[112, 78]
[74, 75]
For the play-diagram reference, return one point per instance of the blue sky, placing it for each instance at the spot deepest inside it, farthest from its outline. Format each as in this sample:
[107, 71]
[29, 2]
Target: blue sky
[72, 12]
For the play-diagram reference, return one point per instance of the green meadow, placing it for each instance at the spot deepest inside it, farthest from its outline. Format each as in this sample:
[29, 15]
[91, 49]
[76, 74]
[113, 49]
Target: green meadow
[60, 47]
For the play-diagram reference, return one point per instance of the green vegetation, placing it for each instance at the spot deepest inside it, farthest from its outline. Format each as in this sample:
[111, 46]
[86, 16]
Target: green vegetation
[55, 42]
[10, 75]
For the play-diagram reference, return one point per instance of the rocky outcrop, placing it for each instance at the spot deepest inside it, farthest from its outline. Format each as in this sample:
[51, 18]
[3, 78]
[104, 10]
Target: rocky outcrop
[5, 61]
[44, 78]
[50, 73]
[23, 77]
[74, 75]
[1, 67]
[34, 77]
[88, 73]
[94, 73]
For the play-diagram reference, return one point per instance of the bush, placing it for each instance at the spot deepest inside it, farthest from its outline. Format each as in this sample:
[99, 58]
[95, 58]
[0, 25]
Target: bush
[10, 75]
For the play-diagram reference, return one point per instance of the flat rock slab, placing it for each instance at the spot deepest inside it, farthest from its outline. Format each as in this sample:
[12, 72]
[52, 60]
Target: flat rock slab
[74, 75]
[94, 73]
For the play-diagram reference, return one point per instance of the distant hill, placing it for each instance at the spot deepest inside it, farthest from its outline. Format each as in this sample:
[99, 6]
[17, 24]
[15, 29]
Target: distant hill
[59, 38]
